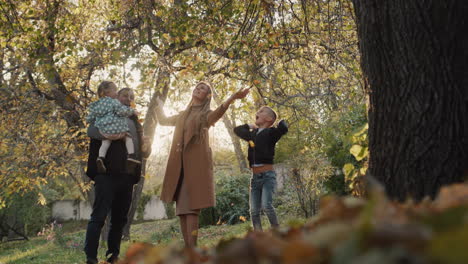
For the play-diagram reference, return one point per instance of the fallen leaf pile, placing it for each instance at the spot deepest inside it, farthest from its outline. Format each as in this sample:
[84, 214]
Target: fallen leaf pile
[347, 230]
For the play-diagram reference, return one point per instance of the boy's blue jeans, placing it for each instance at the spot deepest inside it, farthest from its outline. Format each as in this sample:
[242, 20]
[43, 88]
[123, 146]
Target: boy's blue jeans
[262, 188]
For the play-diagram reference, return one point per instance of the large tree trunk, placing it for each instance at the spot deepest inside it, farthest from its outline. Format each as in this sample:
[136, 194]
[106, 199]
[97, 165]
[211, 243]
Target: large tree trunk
[415, 59]
[149, 128]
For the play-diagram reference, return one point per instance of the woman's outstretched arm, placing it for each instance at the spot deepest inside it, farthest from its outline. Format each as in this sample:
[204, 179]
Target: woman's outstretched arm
[162, 118]
[216, 114]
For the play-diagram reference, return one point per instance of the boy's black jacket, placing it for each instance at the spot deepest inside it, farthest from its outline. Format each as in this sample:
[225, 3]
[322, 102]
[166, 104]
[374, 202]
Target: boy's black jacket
[264, 142]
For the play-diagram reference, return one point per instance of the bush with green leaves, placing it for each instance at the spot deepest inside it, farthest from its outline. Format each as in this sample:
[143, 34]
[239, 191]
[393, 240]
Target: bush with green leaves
[232, 200]
[144, 199]
[304, 184]
[339, 136]
[53, 232]
[170, 210]
[23, 216]
[355, 171]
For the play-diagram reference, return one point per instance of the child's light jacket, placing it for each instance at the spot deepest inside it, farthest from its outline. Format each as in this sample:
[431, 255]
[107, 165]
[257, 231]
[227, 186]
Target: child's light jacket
[109, 115]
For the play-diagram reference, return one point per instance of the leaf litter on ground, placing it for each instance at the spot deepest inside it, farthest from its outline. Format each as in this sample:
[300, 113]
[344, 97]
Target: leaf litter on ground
[346, 230]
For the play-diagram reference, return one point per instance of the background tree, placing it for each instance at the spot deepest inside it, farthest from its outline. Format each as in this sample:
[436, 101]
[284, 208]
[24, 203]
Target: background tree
[415, 62]
[305, 67]
[48, 56]
[300, 57]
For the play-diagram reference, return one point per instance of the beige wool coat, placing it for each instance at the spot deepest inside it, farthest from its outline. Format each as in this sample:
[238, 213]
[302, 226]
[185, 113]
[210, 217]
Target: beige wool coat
[196, 157]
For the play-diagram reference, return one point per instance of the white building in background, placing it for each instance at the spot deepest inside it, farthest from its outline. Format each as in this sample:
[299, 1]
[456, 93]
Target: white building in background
[154, 209]
[71, 210]
[81, 210]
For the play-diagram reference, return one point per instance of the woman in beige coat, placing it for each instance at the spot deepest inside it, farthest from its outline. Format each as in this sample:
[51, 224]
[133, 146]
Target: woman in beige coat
[189, 174]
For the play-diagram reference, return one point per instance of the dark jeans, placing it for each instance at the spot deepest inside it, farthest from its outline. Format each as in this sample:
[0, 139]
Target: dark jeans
[262, 188]
[113, 194]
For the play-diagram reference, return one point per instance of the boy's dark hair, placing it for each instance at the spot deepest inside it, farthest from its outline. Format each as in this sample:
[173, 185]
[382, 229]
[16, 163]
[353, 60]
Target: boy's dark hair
[104, 87]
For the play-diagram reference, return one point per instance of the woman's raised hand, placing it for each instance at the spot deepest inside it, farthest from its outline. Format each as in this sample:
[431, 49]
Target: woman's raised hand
[237, 95]
[242, 93]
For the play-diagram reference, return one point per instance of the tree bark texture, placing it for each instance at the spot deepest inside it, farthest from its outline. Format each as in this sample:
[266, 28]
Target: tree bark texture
[149, 128]
[229, 123]
[415, 61]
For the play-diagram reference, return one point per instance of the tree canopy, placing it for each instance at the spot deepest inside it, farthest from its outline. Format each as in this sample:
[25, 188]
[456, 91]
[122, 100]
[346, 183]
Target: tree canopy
[299, 56]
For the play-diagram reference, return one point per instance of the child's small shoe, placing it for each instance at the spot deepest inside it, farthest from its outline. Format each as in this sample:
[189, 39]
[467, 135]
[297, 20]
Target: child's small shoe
[132, 162]
[101, 168]
[133, 158]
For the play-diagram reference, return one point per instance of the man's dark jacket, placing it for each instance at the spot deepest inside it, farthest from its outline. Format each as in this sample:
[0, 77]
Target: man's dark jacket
[116, 158]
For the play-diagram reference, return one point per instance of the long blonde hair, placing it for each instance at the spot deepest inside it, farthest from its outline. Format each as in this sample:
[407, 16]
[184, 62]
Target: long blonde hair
[201, 118]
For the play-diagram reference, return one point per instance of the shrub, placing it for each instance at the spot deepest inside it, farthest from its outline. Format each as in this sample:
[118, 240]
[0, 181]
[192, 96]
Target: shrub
[208, 217]
[144, 199]
[232, 201]
[24, 215]
[232, 198]
[304, 184]
[345, 144]
[170, 210]
[53, 232]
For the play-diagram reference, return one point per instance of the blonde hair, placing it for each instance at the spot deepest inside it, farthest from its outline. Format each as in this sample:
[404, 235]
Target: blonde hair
[201, 117]
[104, 88]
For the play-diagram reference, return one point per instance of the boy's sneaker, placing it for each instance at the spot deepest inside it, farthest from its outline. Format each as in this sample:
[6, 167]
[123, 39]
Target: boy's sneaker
[101, 168]
[132, 162]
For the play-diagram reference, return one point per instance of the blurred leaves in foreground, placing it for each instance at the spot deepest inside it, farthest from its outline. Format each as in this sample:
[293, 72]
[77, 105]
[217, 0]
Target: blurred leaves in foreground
[346, 230]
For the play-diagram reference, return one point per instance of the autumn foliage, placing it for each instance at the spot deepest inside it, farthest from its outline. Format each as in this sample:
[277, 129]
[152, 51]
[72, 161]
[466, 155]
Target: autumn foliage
[347, 230]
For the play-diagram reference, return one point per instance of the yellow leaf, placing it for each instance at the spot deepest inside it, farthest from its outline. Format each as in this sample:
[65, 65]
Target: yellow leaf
[41, 199]
[334, 76]
[348, 168]
[359, 152]
[363, 170]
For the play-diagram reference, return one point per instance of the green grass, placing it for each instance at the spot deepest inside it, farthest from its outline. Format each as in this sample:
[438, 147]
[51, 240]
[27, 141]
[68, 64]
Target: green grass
[39, 250]
[68, 248]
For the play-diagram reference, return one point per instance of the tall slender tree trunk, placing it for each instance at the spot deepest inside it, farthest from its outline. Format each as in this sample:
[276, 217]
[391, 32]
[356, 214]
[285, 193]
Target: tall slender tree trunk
[149, 128]
[415, 60]
[229, 123]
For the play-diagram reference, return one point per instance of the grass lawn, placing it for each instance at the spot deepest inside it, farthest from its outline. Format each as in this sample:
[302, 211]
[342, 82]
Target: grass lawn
[68, 247]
